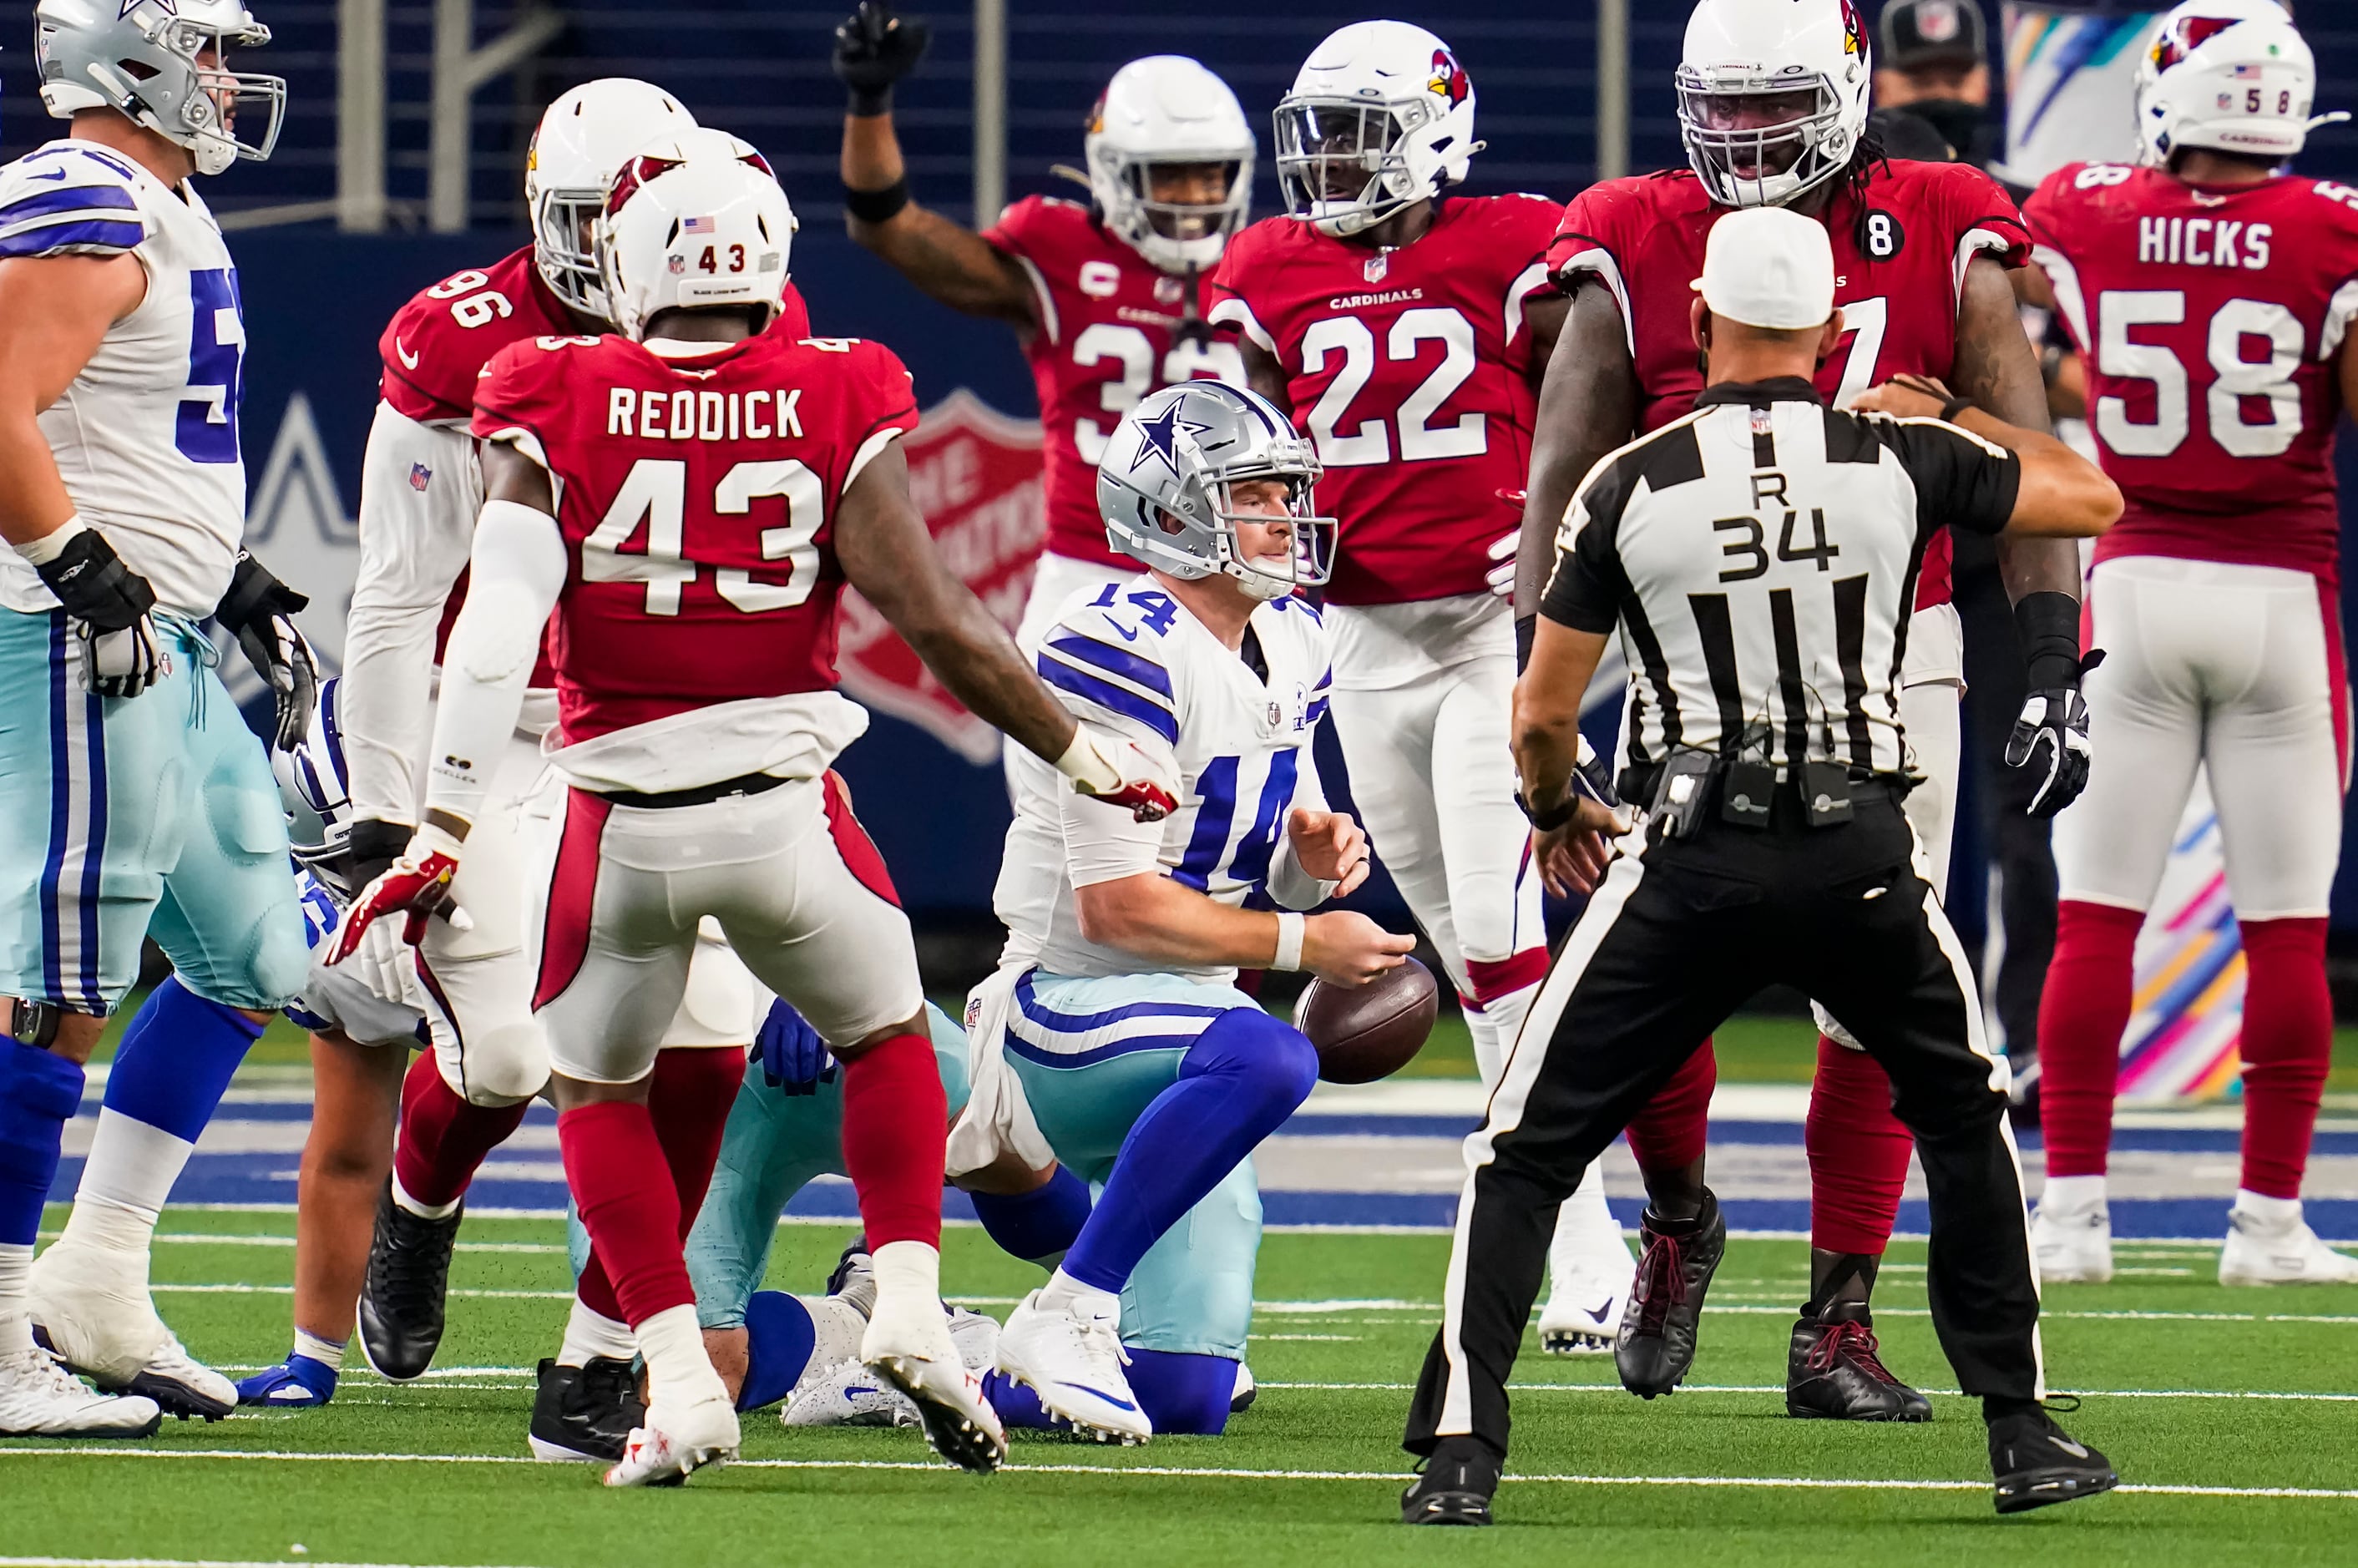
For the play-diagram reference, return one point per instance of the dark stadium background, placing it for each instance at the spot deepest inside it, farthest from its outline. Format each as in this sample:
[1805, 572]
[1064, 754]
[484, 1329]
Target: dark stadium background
[316, 299]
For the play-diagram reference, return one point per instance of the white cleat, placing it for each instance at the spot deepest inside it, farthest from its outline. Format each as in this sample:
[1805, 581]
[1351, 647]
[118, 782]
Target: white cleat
[909, 1345]
[95, 1314]
[676, 1441]
[1073, 1360]
[977, 1338]
[1583, 1314]
[40, 1398]
[849, 1394]
[2286, 1253]
[2071, 1246]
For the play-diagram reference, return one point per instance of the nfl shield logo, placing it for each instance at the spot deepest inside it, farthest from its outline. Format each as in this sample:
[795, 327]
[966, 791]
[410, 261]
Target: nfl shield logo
[1276, 715]
[419, 475]
[1374, 269]
[1167, 289]
[1761, 423]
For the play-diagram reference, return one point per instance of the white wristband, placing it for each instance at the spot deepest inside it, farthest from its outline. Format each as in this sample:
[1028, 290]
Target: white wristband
[40, 552]
[1085, 763]
[1289, 931]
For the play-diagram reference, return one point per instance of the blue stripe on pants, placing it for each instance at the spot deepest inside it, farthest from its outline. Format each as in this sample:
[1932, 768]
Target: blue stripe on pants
[93, 855]
[60, 805]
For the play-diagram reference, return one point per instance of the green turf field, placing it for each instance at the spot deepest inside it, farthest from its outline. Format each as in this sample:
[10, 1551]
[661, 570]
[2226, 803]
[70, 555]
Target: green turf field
[2188, 1386]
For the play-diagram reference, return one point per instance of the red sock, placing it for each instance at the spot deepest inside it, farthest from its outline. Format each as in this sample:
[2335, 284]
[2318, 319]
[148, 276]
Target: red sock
[614, 1163]
[1858, 1152]
[693, 1090]
[2081, 1015]
[895, 1120]
[595, 1290]
[443, 1138]
[2287, 1045]
[1671, 1133]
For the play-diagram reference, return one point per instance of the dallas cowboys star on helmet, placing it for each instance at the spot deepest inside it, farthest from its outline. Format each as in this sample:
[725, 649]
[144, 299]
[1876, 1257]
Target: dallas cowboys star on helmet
[1772, 99]
[139, 57]
[1165, 483]
[2233, 76]
[1163, 110]
[1379, 117]
[580, 143]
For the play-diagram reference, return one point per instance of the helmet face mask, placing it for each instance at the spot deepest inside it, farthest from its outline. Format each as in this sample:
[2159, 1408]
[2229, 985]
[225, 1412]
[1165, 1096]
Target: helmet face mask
[165, 67]
[1167, 489]
[1166, 122]
[1772, 100]
[1339, 158]
[1379, 117]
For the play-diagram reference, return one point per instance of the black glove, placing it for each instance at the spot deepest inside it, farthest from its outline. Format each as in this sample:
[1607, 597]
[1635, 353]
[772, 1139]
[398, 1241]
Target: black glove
[108, 603]
[2051, 741]
[373, 846]
[260, 611]
[873, 49]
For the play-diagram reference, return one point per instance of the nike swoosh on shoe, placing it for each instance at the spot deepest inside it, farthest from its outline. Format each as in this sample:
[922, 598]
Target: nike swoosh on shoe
[1100, 1395]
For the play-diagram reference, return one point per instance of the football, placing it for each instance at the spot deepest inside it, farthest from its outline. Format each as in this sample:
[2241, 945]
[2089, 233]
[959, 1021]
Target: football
[1369, 1032]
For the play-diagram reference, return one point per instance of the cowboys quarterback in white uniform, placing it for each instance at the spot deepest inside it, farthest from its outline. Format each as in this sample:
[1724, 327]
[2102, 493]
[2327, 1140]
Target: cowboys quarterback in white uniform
[137, 802]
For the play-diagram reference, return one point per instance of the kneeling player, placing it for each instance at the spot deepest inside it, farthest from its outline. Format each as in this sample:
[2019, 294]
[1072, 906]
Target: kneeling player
[1111, 1040]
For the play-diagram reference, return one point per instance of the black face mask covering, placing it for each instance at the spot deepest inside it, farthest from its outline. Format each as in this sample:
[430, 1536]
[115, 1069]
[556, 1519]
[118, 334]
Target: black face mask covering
[1958, 122]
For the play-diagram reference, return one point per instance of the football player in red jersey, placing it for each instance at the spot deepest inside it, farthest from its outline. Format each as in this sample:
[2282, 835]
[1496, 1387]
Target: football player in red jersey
[1772, 107]
[420, 490]
[1406, 330]
[2209, 297]
[1102, 294]
[721, 484]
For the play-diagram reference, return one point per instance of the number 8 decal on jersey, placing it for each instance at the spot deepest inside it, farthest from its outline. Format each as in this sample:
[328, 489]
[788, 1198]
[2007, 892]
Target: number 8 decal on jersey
[206, 427]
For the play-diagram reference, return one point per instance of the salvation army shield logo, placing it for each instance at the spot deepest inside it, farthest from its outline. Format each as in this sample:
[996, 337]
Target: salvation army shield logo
[976, 476]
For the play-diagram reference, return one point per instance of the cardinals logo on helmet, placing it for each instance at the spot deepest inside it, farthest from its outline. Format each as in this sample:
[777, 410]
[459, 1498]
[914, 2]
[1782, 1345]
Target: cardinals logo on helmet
[1853, 36]
[1449, 78]
[2182, 38]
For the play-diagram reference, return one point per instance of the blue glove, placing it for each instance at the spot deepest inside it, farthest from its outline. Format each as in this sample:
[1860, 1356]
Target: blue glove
[793, 1058]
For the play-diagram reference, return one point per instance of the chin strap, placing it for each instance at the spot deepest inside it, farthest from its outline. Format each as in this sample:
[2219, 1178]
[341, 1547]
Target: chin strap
[2331, 117]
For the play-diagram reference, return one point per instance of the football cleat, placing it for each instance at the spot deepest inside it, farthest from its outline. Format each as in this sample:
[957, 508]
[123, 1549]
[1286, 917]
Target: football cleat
[299, 1382]
[1240, 1399]
[909, 1345]
[1590, 1273]
[977, 1338]
[849, 1395]
[1455, 1486]
[2037, 1464]
[402, 1295]
[1833, 1373]
[585, 1413]
[2071, 1246]
[40, 1398]
[674, 1442]
[1657, 1340]
[2286, 1252]
[1073, 1360]
[854, 1279]
[90, 1309]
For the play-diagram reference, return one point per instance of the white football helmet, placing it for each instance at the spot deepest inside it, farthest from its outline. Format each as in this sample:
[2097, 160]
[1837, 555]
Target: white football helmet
[139, 59]
[1167, 109]
[316, 792]
[1772, 98]
[2235, 76]
[1380, 116]
[578, 147]
[694, 234]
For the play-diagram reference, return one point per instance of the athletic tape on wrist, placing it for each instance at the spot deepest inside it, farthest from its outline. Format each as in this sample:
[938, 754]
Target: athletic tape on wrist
[1291, 929]
[40, 552]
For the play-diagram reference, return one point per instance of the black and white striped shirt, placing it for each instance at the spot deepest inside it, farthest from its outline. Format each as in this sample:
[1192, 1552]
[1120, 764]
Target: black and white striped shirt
[1759, 557]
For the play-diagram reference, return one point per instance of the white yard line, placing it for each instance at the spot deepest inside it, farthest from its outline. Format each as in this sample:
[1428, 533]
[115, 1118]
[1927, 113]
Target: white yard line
[1780, 1387]
[298, 1562]
[1768, 1482]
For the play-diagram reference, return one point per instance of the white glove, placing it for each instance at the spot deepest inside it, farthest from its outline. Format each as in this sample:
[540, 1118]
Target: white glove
[1115, 771]
[121, 662]
[1502, 564]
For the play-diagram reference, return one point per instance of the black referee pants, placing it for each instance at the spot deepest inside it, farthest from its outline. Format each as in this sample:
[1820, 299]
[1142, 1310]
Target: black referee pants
[1680, 935]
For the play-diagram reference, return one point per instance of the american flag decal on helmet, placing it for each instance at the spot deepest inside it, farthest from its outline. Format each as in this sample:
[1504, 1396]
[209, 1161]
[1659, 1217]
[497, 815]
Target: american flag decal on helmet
[698, 226]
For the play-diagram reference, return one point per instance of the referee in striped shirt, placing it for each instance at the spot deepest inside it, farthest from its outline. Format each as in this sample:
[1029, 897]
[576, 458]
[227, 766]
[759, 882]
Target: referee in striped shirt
[1758, 559]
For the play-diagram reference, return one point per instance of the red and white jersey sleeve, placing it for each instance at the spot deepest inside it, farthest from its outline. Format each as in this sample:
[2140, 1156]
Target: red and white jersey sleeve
[2211, 322]
[1413, 372]
[436, 345]
[1900, 255]
[697, 498]
[1109, 334]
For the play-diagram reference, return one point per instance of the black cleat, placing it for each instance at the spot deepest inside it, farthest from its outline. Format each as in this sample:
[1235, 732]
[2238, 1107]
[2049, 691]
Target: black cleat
[1455, 1486]
[2037, 1464]
[1657, 1343]
[586, 1413]
[1834, 1374]
[401, 1298]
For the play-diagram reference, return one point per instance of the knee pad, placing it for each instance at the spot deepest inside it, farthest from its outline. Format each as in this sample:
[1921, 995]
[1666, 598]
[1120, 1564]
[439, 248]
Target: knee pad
[500, 1066]
[1274, 1058]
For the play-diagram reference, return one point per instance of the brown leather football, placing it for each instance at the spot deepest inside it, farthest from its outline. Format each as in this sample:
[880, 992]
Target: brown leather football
[1369, 1032]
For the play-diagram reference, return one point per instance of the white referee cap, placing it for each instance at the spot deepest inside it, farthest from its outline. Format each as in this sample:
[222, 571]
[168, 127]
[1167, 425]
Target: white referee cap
[1768, 266]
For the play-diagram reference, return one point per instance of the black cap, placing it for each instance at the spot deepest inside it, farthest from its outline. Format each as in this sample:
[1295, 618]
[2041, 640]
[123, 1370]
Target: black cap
[1924, 32]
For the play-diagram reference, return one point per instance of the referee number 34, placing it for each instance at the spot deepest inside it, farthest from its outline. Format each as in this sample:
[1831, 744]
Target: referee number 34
[1748, 553]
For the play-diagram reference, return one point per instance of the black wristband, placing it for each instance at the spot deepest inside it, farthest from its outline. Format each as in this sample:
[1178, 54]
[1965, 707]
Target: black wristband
[1554, 817]
[1954, 406]
[95, 586]
[877, 206]
[1526, 629]
[2047, 624]
[867, 102]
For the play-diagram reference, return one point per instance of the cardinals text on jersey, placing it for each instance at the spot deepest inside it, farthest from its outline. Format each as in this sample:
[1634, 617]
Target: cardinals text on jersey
[1411, 369]
[2211, 320]
[697, 500]
[1900, 254]
[1109, 335]
[1130, 657]
[145, 436]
